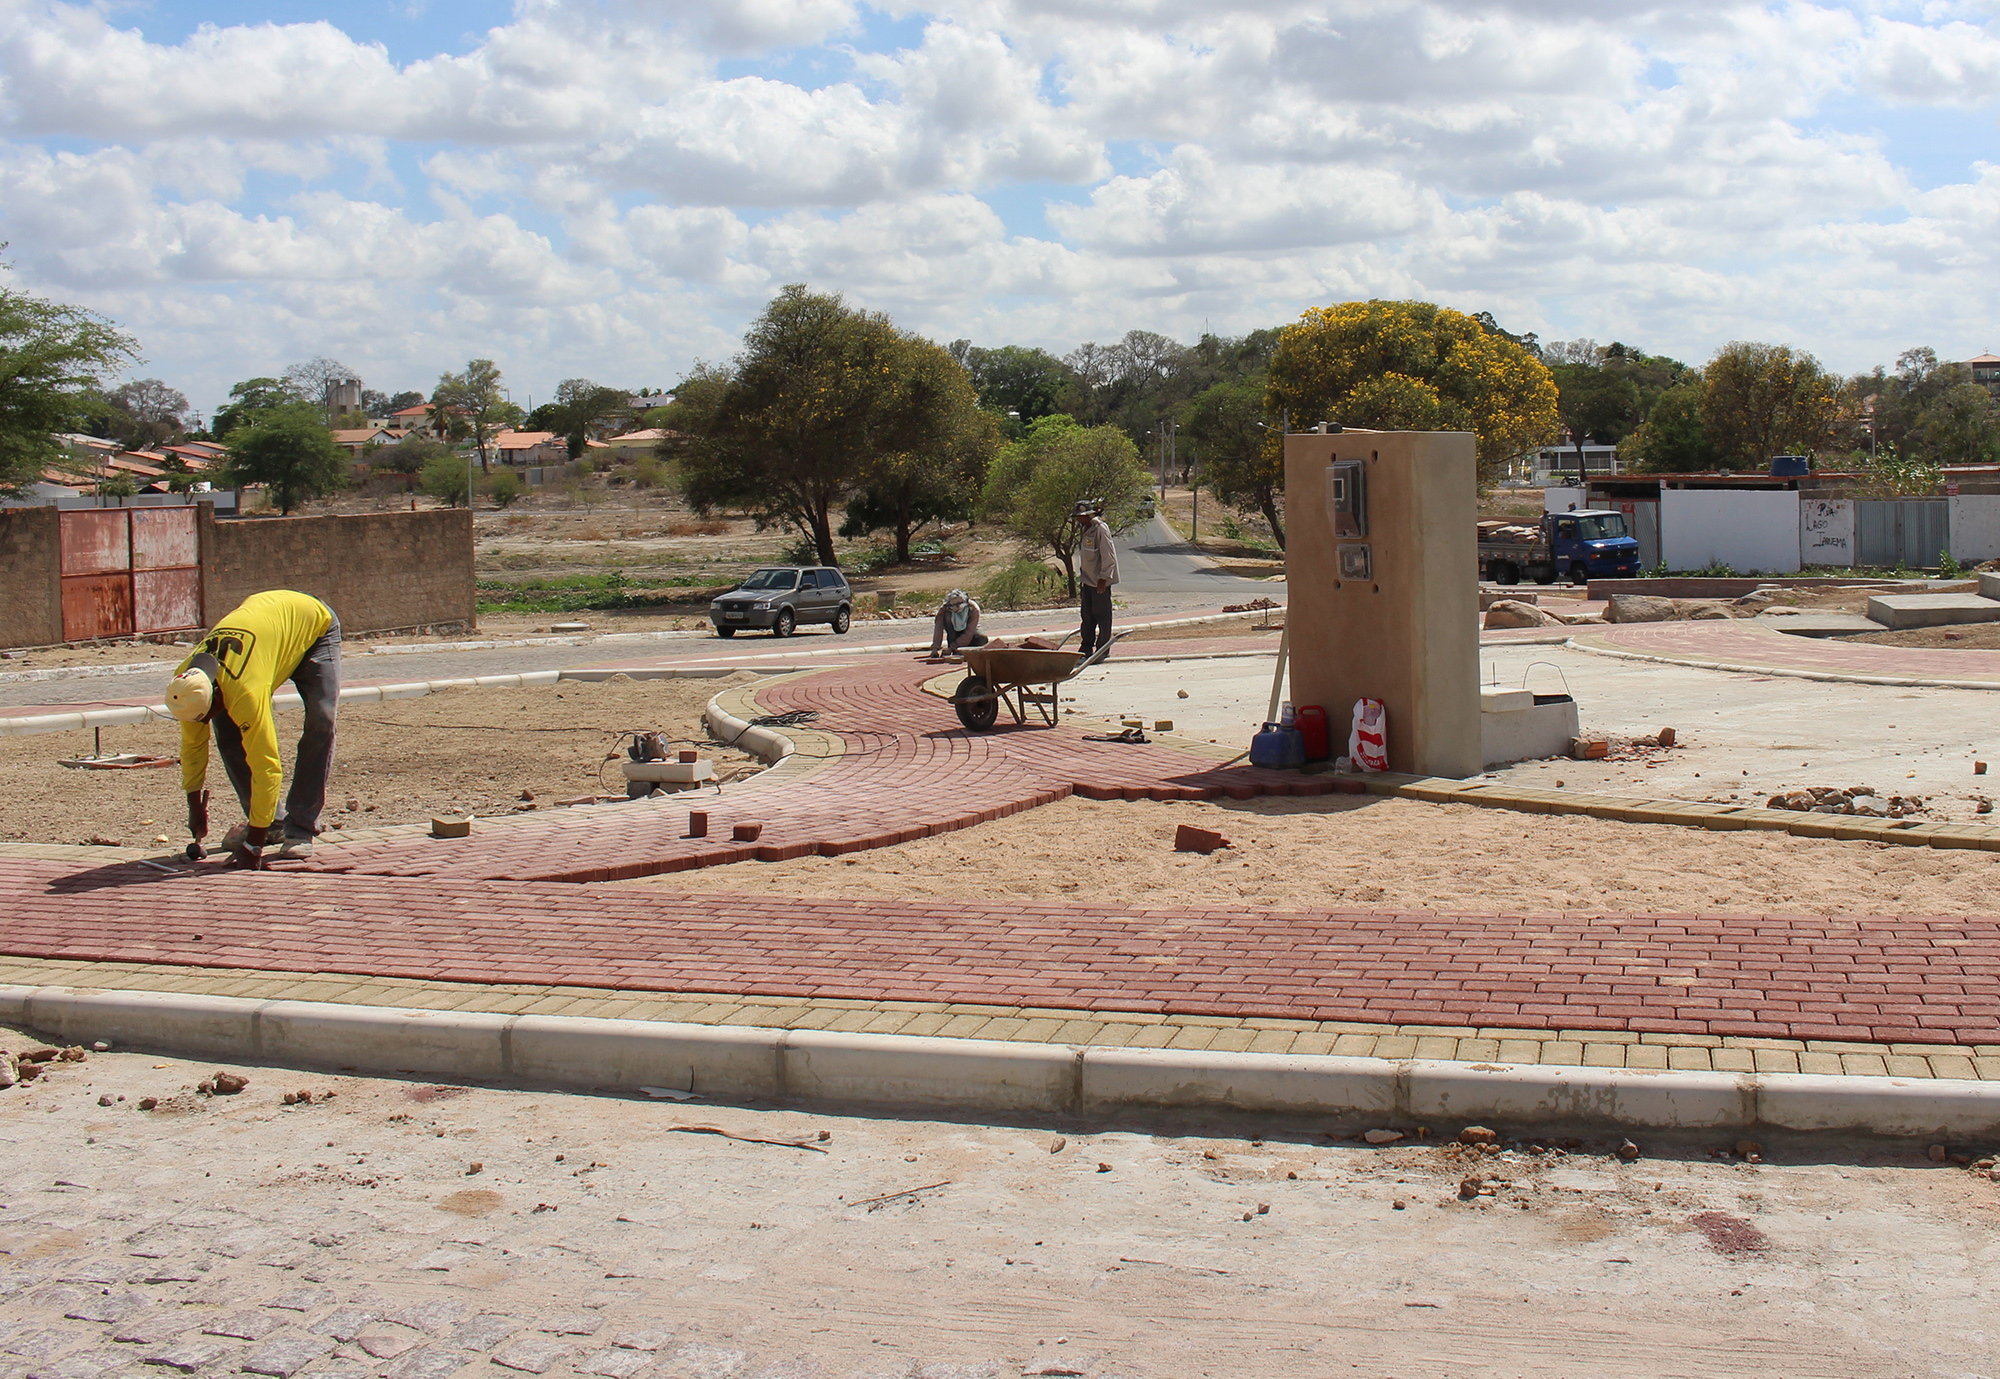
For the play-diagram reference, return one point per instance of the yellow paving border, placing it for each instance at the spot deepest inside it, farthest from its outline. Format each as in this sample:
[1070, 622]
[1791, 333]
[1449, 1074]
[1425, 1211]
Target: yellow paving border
[1037, 1025]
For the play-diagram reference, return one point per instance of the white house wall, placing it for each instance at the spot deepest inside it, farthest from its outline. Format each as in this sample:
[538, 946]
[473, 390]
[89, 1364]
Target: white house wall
[1975, 527]
[1746, 529]
[1826, 531]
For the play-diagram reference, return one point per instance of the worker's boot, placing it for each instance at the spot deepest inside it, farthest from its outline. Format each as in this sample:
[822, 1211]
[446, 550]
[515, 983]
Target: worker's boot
[296, 845]
[233, 839]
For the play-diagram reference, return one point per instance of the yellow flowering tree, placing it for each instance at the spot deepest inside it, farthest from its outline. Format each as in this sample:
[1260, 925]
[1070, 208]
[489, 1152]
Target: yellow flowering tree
[1412, 366]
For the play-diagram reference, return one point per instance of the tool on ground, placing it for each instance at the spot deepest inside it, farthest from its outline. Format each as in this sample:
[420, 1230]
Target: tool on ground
[654, 764]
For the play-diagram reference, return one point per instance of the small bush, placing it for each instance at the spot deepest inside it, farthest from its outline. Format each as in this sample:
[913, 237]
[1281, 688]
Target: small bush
[804, 551]
[697, 528]
[1025, 583]
[649, 472]
[1948, 568]
[504, 489]
[444, 478]
[592, 533]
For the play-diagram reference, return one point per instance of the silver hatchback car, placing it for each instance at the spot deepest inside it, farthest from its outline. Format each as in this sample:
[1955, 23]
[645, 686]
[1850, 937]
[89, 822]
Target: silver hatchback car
[780, 597]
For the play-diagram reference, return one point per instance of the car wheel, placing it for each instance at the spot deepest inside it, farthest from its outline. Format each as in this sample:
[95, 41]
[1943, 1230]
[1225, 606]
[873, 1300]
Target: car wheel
[842, 620]
[725, 631]
[979, 714]
[1504, 573]
[785, 623]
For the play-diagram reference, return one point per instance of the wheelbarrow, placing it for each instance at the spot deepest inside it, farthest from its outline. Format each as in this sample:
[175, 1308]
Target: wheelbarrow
[1017, 676]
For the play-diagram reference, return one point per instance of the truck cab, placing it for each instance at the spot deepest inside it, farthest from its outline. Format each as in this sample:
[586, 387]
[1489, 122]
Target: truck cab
[1590, 545]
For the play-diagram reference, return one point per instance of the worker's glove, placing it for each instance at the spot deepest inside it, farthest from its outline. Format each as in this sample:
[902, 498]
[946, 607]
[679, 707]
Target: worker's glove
[249, 854]
[198, 814]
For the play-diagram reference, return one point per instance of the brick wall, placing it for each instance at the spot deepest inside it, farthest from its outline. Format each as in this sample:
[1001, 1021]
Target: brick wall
[30, 577]
[379, 571]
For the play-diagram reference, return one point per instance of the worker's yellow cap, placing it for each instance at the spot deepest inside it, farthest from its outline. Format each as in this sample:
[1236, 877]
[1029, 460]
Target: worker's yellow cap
[190, 694]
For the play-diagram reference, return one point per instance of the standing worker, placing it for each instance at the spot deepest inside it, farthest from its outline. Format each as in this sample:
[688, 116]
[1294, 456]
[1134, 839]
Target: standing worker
[1097, 569]
[227, 684]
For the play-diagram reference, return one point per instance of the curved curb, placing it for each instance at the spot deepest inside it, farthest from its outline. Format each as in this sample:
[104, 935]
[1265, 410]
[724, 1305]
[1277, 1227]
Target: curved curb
[768, 745]
[827, 1069]
[1795, 672]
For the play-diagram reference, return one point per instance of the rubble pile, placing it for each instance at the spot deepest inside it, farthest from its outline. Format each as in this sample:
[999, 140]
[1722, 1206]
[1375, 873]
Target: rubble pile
[1854, 799]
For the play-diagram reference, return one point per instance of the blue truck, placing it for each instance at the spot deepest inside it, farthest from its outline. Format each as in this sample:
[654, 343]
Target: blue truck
[1576, 546]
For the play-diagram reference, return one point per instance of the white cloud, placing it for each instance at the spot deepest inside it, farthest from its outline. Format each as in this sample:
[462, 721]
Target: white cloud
[607, 186]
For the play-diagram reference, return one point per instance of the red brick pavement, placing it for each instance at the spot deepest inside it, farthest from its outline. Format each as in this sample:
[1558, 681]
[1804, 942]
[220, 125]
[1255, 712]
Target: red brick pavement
[910, 771]
[1801, 977]
[1734, 643]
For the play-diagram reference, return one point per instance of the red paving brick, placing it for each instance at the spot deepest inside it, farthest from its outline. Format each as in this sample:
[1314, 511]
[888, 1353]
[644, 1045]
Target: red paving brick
[500, 907]
[1734, 643]
[1868, 979]
[910, 771]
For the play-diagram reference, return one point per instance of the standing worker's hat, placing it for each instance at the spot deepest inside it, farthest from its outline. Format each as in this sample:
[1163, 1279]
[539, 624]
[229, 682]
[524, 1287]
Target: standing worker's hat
[190, 695]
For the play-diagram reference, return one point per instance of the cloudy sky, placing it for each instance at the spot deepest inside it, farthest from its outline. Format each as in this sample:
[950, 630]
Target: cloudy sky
[611, 188]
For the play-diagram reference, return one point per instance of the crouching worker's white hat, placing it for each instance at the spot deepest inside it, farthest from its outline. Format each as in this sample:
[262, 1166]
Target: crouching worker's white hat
[190, 694]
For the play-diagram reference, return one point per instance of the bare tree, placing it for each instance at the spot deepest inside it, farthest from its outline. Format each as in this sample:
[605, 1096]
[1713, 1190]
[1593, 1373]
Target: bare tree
[314, 380]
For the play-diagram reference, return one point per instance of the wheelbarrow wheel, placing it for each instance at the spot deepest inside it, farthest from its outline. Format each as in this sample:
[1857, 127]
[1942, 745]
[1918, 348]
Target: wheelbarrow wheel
[978, 715]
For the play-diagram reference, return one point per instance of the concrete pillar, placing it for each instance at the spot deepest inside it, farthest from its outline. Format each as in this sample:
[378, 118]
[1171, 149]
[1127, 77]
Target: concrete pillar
[1382, 590]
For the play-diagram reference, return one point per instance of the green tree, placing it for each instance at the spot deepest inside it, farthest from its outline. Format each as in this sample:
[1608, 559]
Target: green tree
[1762, 400]
[248, 401]
[1225, 425]
[54, 360]
[1035, 483]
[1671, 439]
[580, 408]
[291, 452]
[1962, 425]
[146, 412]
[1595, 403]
[1413, 366]
[446, 476]
[1013, 378]
[505, 488]
[409, 455]
[474, 401]
[802, 419]
[936, 477]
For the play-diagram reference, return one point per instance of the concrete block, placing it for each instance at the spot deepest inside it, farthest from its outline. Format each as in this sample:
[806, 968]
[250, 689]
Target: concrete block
[192, 1026]
[375, 1039]
[1896, 611]
[1989, 585]
[1527, 734]
[1545, 1094]
[969, 1074]
[734, 1062]
[1880, 1105]
[1494, 699]
[1269, 1084]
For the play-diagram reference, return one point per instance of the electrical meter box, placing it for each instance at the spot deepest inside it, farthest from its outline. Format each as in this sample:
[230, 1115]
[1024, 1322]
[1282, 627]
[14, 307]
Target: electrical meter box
[1382, 588]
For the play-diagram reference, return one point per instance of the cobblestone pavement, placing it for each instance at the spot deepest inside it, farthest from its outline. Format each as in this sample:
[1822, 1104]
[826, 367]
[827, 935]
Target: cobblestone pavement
[410, 1231]
[1737, 646]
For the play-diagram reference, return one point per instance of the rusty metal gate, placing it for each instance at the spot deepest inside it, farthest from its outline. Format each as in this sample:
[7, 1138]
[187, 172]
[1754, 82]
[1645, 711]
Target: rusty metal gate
[129, 571]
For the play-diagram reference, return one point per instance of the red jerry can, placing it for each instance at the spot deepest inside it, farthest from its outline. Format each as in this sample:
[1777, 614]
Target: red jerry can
[1310, 720]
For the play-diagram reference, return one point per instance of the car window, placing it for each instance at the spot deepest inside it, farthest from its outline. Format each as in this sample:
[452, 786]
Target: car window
[809, 579]
[772, 579]
[1603, 528]
[1566, 529]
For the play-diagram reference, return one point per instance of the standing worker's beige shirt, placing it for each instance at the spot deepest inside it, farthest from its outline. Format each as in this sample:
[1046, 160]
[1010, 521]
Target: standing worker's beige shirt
[1098, 558]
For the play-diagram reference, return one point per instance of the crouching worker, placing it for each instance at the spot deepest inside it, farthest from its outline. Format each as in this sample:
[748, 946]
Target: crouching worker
[226, 685]
[956, 624]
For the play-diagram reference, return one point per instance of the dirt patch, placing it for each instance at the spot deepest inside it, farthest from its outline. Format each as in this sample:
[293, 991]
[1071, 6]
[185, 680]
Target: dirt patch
[1977, 636]
[400, 762]
[1729, 1235]
[1296, 854]
[473, 1202]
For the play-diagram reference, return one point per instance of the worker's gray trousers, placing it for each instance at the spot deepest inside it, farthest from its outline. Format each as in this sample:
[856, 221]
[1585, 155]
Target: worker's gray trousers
[1096, 618]
[317, 680]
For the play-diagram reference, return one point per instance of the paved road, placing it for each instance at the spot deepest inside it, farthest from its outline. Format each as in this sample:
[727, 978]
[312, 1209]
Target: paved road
[1160, 577]
[351, 1239]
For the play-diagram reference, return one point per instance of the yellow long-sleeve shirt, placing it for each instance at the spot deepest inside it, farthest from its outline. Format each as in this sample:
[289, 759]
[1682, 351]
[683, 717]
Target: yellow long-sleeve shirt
[257, 648]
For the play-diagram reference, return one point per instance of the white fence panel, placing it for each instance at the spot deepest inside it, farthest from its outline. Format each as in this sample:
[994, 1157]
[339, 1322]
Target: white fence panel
[1826, 531]
[1975, 527]
[1749, 530]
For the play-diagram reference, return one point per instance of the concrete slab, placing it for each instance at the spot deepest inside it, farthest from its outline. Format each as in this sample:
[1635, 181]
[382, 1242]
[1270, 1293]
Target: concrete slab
[1827, 624]
[1932, 610]
[1989, 584]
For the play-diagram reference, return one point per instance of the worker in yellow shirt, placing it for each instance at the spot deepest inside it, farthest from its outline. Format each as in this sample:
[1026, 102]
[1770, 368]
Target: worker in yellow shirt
[226, 685]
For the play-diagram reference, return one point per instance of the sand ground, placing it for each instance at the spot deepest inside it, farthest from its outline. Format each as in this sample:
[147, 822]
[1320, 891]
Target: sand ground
[398, 762]
[1379, 853]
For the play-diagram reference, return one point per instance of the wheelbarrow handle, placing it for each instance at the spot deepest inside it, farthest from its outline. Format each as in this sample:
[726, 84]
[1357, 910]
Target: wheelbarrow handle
[1103, 650]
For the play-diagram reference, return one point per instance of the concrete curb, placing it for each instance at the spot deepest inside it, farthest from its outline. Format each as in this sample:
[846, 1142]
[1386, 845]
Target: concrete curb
[1795, 672]
[766, 744]
[836, 1070]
